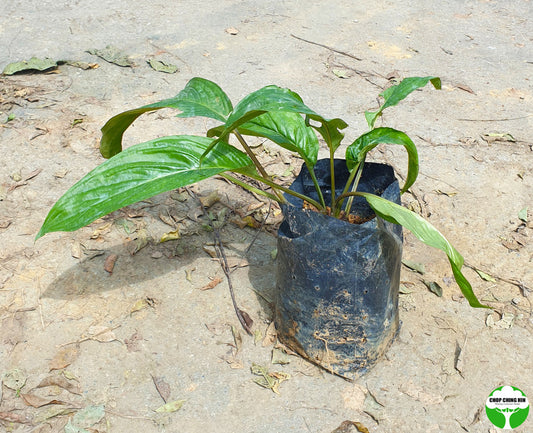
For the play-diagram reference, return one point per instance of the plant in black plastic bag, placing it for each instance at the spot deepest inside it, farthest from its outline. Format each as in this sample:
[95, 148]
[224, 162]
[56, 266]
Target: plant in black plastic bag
[144, 170]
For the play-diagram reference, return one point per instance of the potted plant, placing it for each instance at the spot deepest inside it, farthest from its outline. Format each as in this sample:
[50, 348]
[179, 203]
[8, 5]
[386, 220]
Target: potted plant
[340, 242]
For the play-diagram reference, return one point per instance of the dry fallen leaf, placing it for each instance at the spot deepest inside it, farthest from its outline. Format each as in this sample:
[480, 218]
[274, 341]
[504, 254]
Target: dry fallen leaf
[162, 387]
[172, 406]
[12, 417]
[36, 401]
[109, 263]
[132, 343]
[346, 427]
[14, 379]
[64, 357]
[170, 236]
[270, 335]
[60, 381]
[212, 284]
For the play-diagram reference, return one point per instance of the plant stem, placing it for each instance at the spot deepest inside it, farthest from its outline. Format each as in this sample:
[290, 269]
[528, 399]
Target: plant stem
[349, 194]
[359, 170]
[276, 186]
[249, 187]
[317, 186]
[332, 172]
[252, 156]
[338, 203]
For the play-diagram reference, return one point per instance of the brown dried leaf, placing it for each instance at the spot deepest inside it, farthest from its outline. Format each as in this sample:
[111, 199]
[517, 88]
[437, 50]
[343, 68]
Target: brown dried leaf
[132, 343]
[109, 263]
[62, 382]
[247, 320]
[270, 335]
[212, 284]
[162, 387]
[64, 357]
[101, 230]
[14, 417]
[36, 401]
[210, 199]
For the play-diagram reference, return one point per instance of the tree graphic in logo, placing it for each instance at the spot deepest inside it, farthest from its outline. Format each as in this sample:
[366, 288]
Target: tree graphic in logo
[507, 407]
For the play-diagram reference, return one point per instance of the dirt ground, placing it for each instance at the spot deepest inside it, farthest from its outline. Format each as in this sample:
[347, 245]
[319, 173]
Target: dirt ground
[102, 351]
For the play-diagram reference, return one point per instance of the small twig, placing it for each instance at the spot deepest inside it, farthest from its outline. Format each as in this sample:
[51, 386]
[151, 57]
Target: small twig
[219, 248]
[224, 264]
[327, 48]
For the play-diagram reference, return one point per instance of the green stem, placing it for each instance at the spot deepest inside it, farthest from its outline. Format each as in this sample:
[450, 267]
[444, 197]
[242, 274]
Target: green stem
[252, 156]
[248, 187]
[338, 204]
[332, 172]
[276, 186]
[350, 194]
[317, 187]
[349, 203]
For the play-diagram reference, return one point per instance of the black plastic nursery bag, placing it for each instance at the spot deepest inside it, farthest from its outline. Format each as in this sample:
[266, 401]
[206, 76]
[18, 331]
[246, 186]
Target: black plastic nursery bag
[337, 283]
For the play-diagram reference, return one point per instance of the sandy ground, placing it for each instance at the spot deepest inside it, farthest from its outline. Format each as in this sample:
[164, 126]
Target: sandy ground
[78, 341]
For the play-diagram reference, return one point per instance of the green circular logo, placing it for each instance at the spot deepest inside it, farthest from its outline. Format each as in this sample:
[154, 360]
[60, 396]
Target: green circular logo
[507, 407]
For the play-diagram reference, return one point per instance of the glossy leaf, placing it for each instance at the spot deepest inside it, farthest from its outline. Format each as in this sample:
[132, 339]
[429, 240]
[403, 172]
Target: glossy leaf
[286, 129]
[270, 99]
[200, 97]
[138, 173]
[357, 151]
[394, 94]
[426, 233]
[330, 131]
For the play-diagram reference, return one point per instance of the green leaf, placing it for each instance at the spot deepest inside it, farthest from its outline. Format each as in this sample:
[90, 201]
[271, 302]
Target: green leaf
[200, 97]
[171, 406]
[276, 99]
[394, 94]
[356, 152]
[286, 129]
[523, 214]
[138, 173]
[34, 64]
[113, 55]
[426, 233]
[485, 276]
[161, 66]
[330, 131]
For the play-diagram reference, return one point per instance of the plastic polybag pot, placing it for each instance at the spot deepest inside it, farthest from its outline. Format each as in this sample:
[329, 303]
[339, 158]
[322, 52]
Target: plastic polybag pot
[337, 283]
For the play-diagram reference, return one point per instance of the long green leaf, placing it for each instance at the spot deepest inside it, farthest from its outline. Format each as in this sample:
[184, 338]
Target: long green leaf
[138, 173]
[200, 97]
[394, 94]
[286, 129]
[426, 233]
[356, 152]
